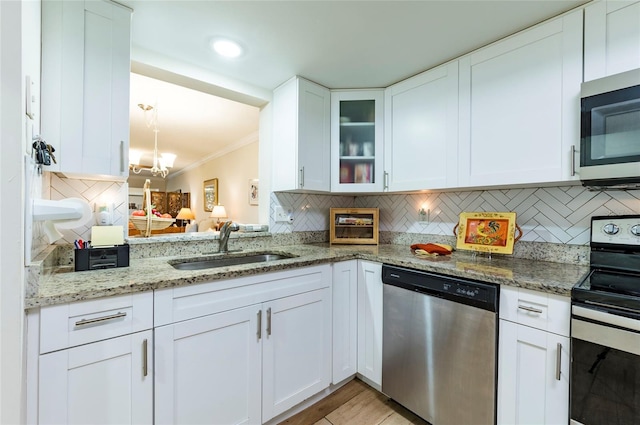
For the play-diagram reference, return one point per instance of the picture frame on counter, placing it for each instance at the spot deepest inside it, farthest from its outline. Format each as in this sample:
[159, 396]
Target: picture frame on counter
[491, 232]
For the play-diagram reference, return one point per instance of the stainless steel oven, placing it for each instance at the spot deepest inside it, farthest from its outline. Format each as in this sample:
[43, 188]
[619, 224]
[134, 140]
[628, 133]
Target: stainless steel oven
[610, 131]
[605, 327]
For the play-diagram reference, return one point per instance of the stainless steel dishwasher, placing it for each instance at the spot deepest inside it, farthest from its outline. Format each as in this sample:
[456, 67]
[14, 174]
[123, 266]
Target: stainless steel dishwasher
[439, 346]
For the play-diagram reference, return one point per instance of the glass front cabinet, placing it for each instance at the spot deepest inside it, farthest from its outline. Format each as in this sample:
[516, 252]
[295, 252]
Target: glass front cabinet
[356, 141]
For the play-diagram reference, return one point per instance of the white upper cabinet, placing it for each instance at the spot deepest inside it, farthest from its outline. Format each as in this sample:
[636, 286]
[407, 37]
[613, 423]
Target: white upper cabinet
[85, 86]
[301, 141]
[611, 38]
[421, 131]
[357, 141]
[519, 106]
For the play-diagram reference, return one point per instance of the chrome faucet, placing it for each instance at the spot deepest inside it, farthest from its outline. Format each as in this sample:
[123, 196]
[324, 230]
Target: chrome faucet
[225, 232]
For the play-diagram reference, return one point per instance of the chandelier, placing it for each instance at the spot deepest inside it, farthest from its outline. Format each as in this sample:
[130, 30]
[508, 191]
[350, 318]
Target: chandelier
[161, 163]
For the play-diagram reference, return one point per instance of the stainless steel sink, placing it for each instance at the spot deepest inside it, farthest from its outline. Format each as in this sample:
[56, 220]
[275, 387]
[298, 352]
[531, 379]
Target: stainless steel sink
[209, 263]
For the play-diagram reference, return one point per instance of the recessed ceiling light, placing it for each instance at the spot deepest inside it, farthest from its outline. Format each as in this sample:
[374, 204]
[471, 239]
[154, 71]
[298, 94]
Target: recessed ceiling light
[226, 48]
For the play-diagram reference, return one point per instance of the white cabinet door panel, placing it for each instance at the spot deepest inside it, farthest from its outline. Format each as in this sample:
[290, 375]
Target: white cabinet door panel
[313, 137]
[357, 146]
[528, 389]
[611, 38]
[370, 322]
[421, 130]
[103, 382]
[301, 136]
[345, 320]
[519, 106]
[296, 350]
[208, 369]
[85, 85]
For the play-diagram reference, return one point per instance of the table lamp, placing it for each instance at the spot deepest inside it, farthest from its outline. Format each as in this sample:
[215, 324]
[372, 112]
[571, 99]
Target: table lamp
[218, 212]
[185, 214]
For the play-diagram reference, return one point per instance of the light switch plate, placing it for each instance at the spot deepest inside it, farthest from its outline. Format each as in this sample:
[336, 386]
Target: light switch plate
[282, 215]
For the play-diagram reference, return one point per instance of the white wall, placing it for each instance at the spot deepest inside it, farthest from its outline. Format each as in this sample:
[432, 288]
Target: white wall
[233, 171]
[19, 56]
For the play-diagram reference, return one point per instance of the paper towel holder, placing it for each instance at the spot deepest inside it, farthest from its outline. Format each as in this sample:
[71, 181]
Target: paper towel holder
[68, 213]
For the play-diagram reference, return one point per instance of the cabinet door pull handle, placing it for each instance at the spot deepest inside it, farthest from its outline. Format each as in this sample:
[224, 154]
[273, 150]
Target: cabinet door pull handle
[259, 332]
[573, 160]
[269, 321]
[530, 309]
[145, 363]
[122, 156]
[301, 177]
[386, 181]
[85, 322]
[558, 361]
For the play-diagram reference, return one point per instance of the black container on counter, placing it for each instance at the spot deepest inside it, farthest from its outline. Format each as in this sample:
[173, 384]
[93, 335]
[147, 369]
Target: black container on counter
[101, 258]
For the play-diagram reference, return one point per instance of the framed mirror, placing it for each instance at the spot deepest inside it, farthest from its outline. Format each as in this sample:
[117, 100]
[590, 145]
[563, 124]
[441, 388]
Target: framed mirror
[210, 194]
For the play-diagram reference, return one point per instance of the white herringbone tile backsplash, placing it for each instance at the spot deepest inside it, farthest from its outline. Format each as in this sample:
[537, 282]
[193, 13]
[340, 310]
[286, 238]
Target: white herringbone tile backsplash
[91, 191]
[550, 214]
[310, 211]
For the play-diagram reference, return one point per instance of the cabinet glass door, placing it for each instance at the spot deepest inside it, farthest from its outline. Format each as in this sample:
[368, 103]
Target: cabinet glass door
[357, 141]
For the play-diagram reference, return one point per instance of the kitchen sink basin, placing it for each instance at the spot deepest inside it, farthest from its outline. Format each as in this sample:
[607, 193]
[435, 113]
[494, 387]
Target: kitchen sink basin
[223, 261]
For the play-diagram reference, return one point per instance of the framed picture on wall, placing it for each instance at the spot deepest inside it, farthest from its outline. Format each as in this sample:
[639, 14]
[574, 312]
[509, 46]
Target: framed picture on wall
[254, 189]
[210, 194]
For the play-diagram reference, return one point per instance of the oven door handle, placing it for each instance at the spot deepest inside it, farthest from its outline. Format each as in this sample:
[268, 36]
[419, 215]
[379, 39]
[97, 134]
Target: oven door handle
[607, 336]
[604, 317]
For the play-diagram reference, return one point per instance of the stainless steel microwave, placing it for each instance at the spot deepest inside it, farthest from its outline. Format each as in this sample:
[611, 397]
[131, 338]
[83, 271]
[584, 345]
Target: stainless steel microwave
[610, 131]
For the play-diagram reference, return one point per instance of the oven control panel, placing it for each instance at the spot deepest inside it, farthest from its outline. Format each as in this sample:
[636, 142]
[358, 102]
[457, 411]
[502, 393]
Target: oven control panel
[623, 230]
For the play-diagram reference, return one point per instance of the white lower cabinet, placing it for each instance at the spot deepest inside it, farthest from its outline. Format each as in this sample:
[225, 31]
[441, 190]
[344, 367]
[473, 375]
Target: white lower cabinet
[250, 360]
[208, 369]
[296, 351]
[107, 382]
[345, 320]
[370, 322]
[533, 361]
[94, 362]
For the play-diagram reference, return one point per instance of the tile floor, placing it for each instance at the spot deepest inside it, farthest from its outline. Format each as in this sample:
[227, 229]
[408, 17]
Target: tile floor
[356, 403]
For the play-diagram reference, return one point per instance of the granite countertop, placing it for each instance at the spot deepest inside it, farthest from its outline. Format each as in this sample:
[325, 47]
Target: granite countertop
[64, 285]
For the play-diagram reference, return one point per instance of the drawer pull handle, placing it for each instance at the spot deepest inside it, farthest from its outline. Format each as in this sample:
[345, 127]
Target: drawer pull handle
[145, 364]
[558, 361]
[85, 322]
[530, 309]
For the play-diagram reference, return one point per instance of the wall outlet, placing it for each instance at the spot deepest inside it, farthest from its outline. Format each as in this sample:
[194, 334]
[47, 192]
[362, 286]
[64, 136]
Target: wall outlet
[282, 215]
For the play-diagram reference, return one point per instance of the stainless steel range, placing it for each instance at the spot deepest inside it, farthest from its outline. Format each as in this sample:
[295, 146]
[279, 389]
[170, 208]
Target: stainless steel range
[605, 327]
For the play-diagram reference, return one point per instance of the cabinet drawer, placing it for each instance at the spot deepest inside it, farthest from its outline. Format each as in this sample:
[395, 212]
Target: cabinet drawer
[188, 302]
[539, 310]
[72, 324]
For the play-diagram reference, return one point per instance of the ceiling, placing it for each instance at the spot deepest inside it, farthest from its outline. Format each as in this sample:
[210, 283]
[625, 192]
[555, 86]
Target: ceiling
[193, 125]
[339, 44]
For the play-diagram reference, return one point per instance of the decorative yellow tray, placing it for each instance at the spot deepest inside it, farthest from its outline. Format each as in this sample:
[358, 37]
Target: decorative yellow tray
[487, 232]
